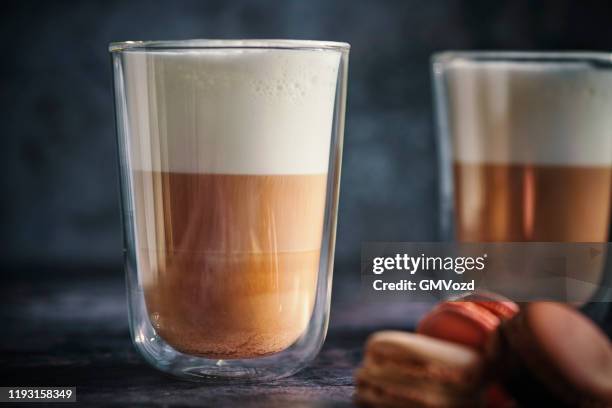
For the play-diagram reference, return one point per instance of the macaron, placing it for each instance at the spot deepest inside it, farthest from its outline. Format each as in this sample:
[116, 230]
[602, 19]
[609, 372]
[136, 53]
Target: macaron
[470, 320]
[500, 306]
[551, 355]
[410, 370]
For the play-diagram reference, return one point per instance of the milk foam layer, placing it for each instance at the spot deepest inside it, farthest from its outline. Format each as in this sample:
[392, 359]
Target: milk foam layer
[230, 111]
[539, 113]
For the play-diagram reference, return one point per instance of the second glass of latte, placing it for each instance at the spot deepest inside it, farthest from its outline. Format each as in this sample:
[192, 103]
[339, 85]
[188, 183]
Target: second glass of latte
[526, 149]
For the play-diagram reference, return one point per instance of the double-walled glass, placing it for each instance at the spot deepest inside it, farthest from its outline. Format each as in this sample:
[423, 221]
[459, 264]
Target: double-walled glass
[526, 145]
[525, 142]
[230, 156]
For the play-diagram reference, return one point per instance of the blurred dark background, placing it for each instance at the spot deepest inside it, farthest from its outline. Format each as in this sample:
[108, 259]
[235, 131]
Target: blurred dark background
[62, 298]
[59, 174]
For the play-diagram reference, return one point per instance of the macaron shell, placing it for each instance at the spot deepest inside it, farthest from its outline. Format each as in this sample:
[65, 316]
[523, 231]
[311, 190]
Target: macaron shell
[413, 348]
[508, 367]
[422, 375]
[555, 346]
[402, 369]
[484, 295]
[503, 310]
[460, 322]
[584, 357]
[499, 305]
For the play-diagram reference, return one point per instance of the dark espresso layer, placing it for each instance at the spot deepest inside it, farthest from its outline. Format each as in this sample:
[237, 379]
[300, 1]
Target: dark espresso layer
[229, 263]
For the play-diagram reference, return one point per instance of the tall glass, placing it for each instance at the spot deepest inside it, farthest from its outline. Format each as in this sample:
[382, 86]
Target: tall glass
[230, 157]
[525, 142]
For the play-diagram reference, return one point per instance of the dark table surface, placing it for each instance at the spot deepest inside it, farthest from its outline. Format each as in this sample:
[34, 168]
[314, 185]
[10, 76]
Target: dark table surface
[70, 329]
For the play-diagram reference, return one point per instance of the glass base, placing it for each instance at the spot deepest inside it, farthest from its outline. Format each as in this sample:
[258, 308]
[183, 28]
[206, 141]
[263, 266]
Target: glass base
[165, 358]
[234, 374]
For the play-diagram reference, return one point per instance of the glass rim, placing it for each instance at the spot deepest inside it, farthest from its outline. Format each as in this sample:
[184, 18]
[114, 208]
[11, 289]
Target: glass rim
[203, 44]
[445, 57]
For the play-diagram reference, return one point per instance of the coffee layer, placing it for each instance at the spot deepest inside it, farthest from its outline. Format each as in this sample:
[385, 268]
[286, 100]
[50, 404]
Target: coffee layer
[232, 306]
[231, 111]
[229, 263]
[532, 113]
[220, 213]
[496, 202]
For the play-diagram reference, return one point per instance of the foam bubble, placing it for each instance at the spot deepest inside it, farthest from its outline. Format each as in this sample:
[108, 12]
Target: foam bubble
[541, 113]
[231, 111]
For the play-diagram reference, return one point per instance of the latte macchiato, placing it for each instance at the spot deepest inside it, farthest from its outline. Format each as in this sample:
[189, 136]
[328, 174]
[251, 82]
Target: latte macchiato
[532, 150]
[230, 161]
